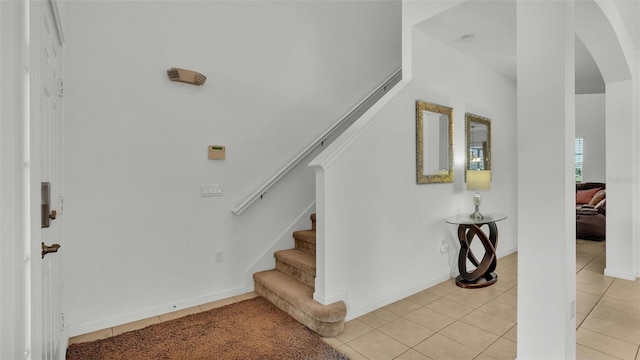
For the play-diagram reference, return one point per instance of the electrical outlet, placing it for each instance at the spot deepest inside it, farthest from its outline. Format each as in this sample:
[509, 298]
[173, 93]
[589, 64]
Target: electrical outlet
[572, 309]
[444, 247]
[219, 255]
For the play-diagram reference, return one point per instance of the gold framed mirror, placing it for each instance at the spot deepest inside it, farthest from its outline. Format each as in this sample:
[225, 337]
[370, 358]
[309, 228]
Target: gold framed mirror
[434, 143]
[478, 142]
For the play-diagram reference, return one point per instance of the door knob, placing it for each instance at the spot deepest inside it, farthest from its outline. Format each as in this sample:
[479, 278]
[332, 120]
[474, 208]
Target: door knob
[49, 249]
[53, 214]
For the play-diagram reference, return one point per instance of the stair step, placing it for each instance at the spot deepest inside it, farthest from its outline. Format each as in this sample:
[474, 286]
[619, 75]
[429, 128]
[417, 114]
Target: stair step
[305, 241]
[296, 299]
[297, 264]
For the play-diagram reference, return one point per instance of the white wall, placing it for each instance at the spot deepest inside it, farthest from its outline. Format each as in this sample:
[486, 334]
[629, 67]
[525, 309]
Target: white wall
[414, 12]
[381, 231]
[140, 239]
[590, 125]
[13, 189]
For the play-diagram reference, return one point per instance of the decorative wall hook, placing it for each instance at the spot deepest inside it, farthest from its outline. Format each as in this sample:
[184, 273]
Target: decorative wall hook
[186, 76]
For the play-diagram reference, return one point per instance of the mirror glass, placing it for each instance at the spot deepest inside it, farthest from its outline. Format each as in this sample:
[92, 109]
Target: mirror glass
[434, 143]
[478, 144]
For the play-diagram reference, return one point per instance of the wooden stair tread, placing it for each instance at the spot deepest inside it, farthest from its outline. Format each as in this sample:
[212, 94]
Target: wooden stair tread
[290, 286]
[297, 258]
[300, 296]
[305, 235]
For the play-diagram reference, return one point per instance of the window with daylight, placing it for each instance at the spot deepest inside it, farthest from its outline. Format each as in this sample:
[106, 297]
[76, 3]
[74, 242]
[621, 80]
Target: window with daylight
[579, 159]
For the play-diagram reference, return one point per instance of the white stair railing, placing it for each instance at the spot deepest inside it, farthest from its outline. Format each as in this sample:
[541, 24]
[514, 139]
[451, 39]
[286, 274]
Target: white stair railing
[349, 118]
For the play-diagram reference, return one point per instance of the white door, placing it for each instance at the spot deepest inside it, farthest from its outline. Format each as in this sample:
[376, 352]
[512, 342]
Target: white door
[46, 137]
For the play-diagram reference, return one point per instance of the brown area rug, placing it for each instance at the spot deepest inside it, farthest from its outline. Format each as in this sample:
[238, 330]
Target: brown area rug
[250, 329]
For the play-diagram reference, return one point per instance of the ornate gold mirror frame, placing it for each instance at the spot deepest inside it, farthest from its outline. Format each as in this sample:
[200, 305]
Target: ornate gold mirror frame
[478, 142]
[434, 132]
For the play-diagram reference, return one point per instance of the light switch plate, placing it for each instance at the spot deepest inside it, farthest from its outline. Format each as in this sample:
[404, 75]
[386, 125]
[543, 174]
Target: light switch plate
[208, 190]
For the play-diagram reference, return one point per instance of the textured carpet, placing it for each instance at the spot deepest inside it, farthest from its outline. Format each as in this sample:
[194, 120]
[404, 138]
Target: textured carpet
[250, 329]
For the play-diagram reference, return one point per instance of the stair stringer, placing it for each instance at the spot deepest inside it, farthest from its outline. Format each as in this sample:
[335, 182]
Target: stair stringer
[266, 261]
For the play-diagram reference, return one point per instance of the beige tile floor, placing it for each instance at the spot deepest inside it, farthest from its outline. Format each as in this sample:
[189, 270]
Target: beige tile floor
[443, 322]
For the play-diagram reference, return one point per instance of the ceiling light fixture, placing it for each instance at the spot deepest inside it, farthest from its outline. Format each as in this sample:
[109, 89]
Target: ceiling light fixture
[467, 38]
[186, 76]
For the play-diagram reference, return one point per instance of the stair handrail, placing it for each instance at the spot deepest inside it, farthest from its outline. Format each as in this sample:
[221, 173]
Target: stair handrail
[357, 110]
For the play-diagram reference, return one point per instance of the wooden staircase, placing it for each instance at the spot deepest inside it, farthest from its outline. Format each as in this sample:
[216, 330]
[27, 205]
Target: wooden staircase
[290, 286]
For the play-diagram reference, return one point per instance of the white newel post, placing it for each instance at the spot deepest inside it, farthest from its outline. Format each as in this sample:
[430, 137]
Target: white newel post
[331, 265]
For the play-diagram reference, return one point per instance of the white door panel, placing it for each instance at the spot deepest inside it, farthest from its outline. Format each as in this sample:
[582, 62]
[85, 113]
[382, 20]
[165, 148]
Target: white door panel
[46, 167]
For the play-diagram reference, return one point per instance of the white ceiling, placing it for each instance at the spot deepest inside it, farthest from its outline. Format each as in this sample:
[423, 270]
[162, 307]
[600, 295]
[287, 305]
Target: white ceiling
[630, 13]
[493, 24]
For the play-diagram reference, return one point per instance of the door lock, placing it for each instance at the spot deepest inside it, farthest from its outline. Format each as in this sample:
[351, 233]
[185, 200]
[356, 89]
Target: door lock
[46, 214]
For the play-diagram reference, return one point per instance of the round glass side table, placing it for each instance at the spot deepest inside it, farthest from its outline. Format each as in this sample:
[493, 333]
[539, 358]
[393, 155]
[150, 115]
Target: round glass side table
[468, 228]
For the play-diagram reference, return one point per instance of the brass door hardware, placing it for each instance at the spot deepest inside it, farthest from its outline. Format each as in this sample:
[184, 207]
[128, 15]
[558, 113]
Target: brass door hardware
[49, 249]
[46, 213]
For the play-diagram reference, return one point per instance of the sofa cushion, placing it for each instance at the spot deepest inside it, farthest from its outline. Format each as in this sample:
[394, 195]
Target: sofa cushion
[597, 197]
[587, 211]
[602, 207]
[584, 196]
[592, 227]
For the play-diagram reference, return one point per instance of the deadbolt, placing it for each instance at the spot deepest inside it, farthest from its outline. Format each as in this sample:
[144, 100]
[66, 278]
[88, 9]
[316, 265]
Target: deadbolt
[46, 213]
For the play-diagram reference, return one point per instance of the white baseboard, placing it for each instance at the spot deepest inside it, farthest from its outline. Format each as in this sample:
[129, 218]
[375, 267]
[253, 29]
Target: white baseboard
[391, 298]
[79, 329]
[620, 274]
[330, 299]
[353, 313]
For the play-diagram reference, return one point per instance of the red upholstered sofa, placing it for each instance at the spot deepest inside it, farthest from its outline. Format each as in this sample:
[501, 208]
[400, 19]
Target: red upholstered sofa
[591, 220]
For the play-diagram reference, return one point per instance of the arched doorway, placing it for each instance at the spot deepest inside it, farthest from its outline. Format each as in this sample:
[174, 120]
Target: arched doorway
[606, 44]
